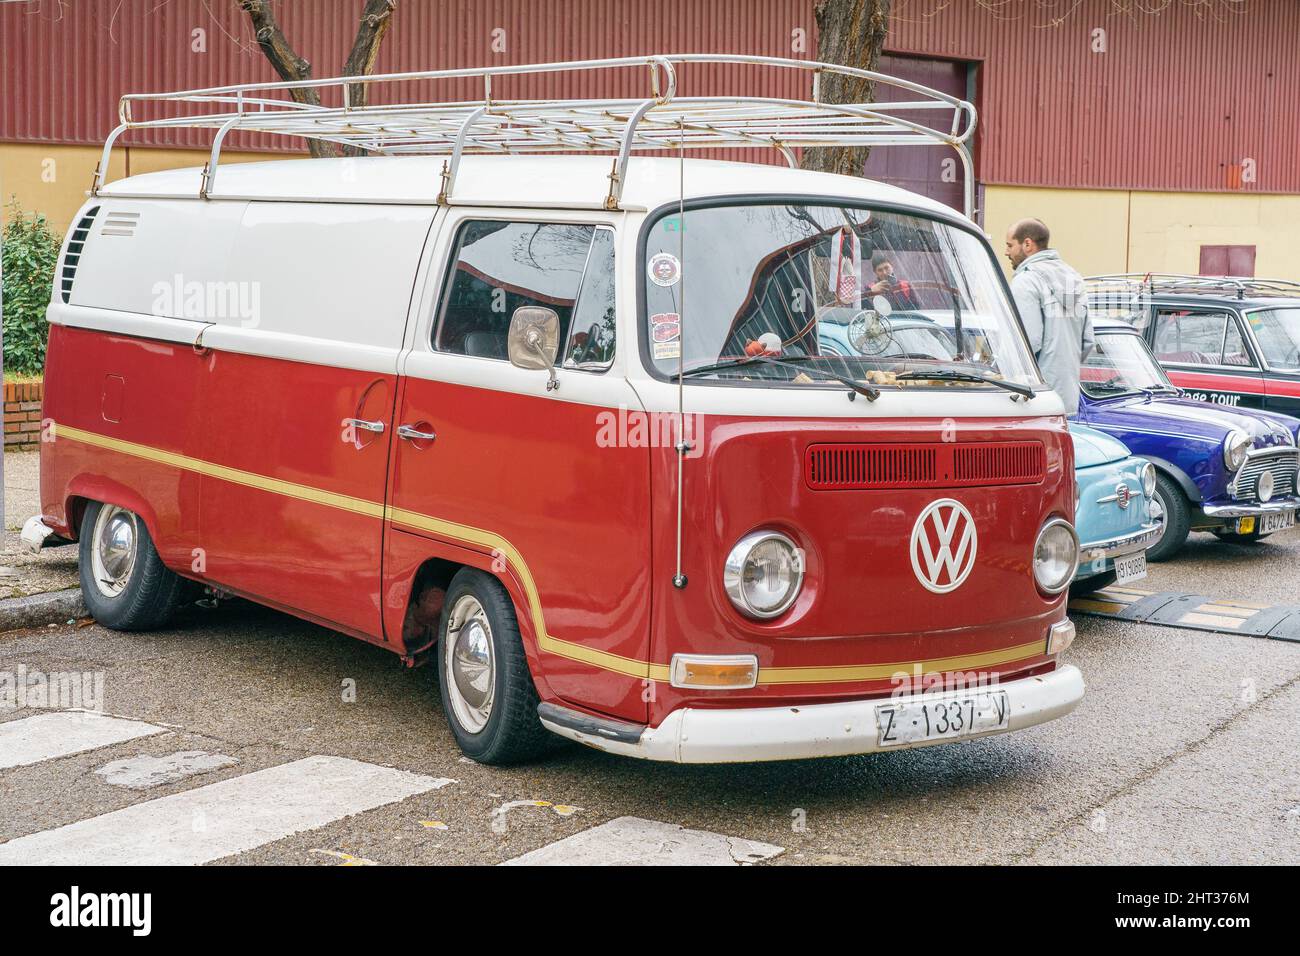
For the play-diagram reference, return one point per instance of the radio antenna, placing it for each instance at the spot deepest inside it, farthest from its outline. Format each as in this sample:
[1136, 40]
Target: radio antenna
[683, 446]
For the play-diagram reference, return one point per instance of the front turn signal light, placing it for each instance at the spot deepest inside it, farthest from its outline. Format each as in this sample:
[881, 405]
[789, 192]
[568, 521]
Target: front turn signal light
[699, 672]
[1059, 637]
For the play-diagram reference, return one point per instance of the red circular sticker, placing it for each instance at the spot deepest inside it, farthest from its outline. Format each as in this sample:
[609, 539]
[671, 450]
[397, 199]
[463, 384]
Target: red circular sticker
[664, 269]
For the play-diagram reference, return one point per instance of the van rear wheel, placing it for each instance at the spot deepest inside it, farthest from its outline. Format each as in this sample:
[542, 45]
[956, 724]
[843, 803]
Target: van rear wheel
[487, 690]
[124, 583]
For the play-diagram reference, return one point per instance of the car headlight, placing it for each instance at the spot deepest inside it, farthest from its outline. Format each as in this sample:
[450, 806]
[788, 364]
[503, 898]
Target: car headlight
[1056, 556]
[1235, 447]
[1149, 480]
[763, 574]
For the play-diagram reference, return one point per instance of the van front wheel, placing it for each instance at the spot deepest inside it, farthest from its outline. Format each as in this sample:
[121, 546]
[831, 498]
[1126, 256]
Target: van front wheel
[123, 581]
[486, 687]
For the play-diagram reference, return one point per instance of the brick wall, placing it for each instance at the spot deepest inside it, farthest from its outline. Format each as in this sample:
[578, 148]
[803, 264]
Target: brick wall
[23, 414]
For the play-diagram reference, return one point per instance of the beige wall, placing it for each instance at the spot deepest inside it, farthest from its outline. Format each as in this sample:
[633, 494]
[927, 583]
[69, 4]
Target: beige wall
[53, 179]
[1103, 230]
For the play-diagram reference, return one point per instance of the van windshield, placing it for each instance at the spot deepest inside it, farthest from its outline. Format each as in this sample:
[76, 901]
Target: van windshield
[807, 294]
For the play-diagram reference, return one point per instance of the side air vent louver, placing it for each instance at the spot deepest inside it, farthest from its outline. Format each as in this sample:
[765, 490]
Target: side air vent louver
[73, 256]
[853, 466]
[118, 223]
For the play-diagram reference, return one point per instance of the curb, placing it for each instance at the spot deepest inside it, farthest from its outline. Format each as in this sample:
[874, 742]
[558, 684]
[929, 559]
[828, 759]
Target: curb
[37, 610]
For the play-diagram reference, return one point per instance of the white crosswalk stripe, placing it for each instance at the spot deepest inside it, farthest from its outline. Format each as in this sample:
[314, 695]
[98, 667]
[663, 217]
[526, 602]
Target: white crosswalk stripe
[30, 740]
[223, 818]
[632, 841]
[244, 812]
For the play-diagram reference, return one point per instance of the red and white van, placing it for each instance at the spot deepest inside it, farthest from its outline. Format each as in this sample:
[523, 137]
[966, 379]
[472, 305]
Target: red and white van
[604, 466]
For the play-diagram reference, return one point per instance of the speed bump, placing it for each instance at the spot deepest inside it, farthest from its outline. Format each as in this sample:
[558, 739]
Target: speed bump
[1195, 611]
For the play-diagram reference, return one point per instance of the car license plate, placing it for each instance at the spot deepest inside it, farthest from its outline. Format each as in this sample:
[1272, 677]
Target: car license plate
[1131, 567]
[942, 717]
[1276, 522]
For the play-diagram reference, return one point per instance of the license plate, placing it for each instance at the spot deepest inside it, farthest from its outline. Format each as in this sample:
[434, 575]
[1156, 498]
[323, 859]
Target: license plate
[1276, 522]
[941, 718]
[1131, 567]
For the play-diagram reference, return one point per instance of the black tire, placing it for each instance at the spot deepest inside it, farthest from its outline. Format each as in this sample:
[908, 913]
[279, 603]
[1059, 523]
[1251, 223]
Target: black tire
[1233, 537]
[1177, 519]
[1085, 586]
[151, 593]
[512, 732]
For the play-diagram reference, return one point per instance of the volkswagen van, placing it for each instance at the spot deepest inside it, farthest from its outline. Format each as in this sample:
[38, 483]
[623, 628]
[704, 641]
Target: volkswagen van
[581, 451]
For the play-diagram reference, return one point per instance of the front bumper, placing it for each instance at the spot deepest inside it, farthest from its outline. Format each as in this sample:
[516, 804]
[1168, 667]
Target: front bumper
[1096, 556]
[1250, 509]
[747, 734]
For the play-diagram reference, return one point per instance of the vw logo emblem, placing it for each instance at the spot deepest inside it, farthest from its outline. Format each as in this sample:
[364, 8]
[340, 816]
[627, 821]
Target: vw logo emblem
[943, 547]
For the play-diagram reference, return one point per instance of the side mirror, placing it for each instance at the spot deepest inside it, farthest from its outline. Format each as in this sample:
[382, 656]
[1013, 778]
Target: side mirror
[534, 340]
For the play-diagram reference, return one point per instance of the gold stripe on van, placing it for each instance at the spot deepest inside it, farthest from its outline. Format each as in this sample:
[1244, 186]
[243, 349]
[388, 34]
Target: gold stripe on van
[199, 466]
[604, 660]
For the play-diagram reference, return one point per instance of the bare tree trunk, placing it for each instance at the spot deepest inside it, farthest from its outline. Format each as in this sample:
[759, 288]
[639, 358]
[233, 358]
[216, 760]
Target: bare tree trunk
[376, 18]
[849, 33]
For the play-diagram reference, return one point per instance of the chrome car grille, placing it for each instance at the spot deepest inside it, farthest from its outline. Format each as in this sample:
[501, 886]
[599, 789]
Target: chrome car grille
[1284, 463]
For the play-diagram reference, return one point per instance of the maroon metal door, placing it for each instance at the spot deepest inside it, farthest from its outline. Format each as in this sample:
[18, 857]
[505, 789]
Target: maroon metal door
[934, 171]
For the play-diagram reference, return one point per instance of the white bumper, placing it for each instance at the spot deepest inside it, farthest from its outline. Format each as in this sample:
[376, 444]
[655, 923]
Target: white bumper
[741, 735]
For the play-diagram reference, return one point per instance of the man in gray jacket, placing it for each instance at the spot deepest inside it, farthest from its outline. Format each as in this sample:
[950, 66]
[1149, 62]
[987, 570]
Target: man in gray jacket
[1050, 298]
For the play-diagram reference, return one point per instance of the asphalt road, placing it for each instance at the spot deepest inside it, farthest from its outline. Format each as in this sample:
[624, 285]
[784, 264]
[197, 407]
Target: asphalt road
[1184, 750]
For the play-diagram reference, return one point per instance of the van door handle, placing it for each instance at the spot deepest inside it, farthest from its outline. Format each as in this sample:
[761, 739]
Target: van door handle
[414, 434]
[362, 425]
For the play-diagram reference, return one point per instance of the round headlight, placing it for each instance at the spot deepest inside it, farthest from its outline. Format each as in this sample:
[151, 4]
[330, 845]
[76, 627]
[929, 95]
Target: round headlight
[1056, 556]
[1235, 447]
[763, 574]
[1266, 486]
[1149, 479]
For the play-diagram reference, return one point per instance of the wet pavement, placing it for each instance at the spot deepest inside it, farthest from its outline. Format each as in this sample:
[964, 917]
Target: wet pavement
[1184, 750]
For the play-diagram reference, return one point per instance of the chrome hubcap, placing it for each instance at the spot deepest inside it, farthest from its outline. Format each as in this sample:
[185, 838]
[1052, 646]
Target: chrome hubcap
[113, 553]
[1157, 516]
[470, 667]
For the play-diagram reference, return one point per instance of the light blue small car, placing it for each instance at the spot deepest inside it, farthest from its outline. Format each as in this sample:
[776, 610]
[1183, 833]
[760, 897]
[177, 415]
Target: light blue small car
[1112, 510]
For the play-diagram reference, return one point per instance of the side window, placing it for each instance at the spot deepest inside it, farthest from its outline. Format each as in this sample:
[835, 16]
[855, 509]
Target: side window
[1190, 338]
[498, 267]
[1234, 347]
[590, 344]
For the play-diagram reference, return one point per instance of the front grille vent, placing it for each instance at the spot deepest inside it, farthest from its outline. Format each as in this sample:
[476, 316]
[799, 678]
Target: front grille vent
[856, 466]
[72, 258]
[1282, 463]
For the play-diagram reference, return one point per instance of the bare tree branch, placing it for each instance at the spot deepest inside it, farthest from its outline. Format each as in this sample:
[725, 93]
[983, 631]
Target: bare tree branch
[375, 21]
[376, 17]
[286, 62]
[850, 33]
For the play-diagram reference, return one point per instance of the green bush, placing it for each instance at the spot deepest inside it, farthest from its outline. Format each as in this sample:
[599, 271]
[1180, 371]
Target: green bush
[30, 252]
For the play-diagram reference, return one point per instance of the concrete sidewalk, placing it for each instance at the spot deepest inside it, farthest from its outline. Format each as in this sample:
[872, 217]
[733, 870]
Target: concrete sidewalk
[21, 572]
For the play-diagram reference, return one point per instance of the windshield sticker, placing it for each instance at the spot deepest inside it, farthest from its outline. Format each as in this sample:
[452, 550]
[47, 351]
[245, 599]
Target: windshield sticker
[666, 335]
[664, 269]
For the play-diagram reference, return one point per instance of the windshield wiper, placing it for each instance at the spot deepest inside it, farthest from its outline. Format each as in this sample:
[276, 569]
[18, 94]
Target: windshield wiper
[954, 375]
[859, 388]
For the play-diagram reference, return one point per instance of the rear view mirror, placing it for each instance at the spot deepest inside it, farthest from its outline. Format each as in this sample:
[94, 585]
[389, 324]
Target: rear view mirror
[534, 339]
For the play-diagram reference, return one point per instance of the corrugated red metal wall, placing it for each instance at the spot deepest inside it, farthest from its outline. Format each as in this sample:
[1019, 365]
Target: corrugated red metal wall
[1176, 102]
[67, 64]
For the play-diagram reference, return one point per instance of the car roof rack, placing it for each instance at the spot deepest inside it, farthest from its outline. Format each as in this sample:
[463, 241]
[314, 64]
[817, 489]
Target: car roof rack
[661, 120]
[1168, 283]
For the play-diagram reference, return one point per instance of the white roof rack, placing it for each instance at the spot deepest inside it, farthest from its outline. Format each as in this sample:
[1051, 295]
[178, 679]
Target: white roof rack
[661, 120]
[1169, 283]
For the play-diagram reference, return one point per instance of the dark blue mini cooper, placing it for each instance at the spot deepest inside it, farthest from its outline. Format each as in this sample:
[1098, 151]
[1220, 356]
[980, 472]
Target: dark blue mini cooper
[1231, 471]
